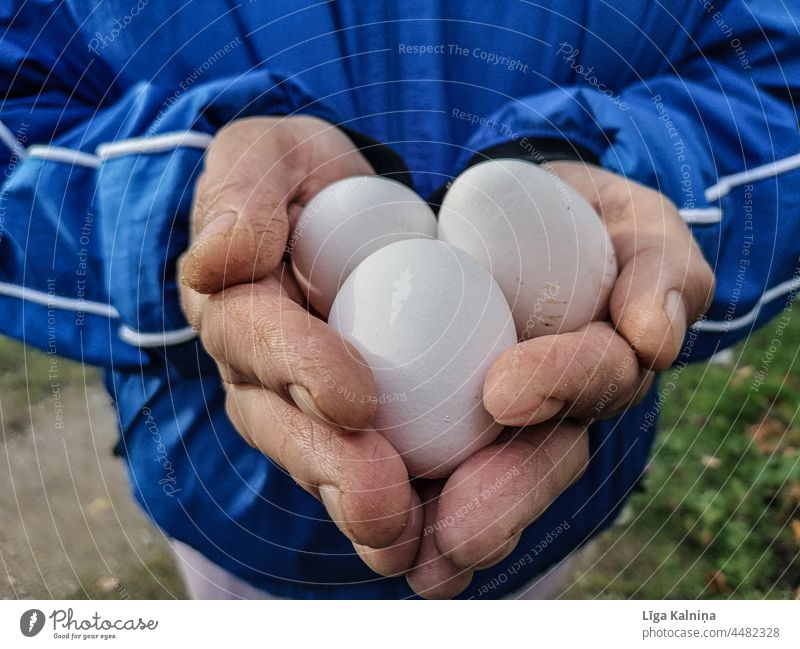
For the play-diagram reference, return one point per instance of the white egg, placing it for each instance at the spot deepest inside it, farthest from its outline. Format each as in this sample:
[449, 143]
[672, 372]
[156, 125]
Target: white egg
[429, 321]
[543, 243]
[345, 223]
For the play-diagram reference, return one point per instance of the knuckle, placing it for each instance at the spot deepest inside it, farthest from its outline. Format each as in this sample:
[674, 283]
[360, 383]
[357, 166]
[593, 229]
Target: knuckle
[241, 130]
[270, 348]
[317, 448]
[555, 359]
[286, 439]
[201, 203]
[577, 361]
[266, 220]
[226, 319]
[548, 463]
[209, 204]
[615, 201]
[209, 333]
[232, 130]
[309, 121]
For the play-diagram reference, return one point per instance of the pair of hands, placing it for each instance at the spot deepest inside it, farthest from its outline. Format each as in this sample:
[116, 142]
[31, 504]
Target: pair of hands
[252, 319]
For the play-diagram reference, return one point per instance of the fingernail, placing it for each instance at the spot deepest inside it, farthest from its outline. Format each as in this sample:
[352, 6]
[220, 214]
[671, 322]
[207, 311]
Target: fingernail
[220, 224]
[305, 402]
[332, 499]
[366, 554]
[676, 312]
[548, 408]
[499, 554]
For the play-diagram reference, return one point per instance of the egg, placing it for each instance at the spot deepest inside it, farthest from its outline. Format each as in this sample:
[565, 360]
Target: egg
[543, 243]
[429, 321]
[346, 222]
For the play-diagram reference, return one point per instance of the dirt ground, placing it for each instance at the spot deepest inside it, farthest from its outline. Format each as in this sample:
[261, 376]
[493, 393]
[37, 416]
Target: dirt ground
[70, 528]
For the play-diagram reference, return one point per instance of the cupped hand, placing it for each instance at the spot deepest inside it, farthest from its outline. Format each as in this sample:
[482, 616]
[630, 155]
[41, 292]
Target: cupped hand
[294, 389]
[548, 389]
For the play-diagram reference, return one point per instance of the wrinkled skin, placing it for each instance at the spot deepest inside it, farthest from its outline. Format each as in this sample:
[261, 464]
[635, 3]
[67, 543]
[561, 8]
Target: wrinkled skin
[275, 357]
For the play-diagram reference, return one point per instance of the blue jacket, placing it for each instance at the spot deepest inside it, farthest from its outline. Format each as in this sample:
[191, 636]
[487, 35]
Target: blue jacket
[107, 109]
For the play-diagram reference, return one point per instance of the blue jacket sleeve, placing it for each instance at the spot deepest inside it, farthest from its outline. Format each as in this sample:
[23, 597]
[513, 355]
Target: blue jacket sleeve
[97, 187]
[717, 134]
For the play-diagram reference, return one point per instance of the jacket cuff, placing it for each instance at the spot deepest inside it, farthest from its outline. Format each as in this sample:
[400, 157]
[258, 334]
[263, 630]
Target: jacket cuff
[536, 150]
[385, 161]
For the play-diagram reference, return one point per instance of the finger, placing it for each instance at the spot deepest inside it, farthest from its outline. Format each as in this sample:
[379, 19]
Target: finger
[360, 478]
[503, 488]
[281, 280]
[615, 408]
[587, 373]
[661, 291]
[256, 171]
[259, 335]
[240, 217]
[664, 283]
[398, 557]
[433, 576]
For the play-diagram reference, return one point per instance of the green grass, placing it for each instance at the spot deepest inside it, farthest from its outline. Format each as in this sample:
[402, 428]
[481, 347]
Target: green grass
[720, 513]
[28, 370]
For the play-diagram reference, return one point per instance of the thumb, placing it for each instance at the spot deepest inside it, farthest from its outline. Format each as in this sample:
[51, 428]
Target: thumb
[661, 290]
[664, 283]
[256, 169]
[239, 216]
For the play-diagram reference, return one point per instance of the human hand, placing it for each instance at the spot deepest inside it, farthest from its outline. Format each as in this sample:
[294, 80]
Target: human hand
[567, 380]
[294, 389]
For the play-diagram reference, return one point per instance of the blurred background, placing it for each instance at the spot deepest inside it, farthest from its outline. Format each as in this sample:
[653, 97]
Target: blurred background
[717, 515]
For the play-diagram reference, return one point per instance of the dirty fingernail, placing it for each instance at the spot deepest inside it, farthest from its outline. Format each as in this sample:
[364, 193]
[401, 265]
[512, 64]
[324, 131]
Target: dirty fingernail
[332, 499]
[676, 312]
[305, 402]
[548, 408]
[499, 554]
[222, 223]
